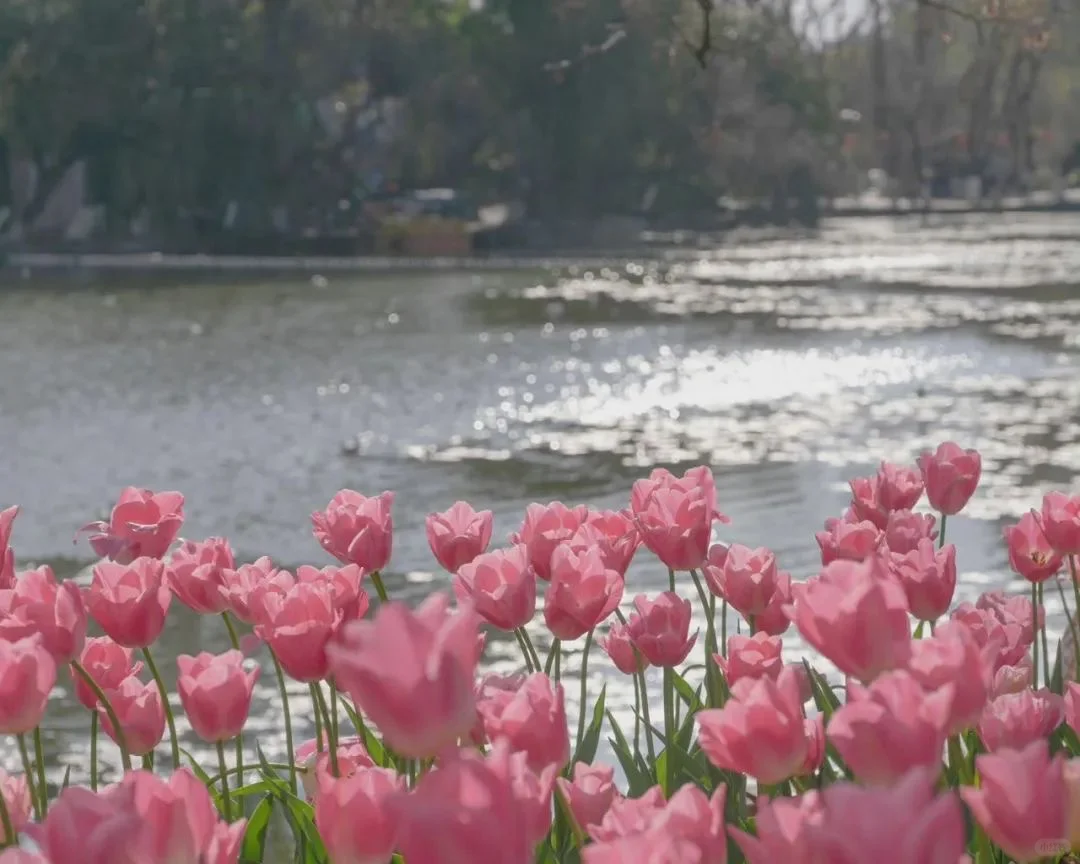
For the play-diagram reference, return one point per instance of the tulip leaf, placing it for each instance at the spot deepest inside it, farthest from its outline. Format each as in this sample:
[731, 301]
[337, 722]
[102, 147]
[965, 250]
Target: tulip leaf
[1057, 684]
[824, 697]
[639, 775]
[254, 846]
[587, 751]
[261, 787]
[205, 778]
[375, 749]
[686, 693]
[67, 778]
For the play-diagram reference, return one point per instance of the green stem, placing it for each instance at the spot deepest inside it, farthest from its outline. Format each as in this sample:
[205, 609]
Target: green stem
[669, 731]
[156, 675]
[28, 772]
[1072, 621]
[708, 607]
[723, 628]
[333, 721]
[671, 579]
[584, 690]
[39, 758]
[637, 714]
[1035, 636]
[645, 715]
[216, 778]
[941, 533]
[147, 762]
[531, 647]
[239, 738]
[318, 717]
[226, 798]
[524, 651]
[8, 837]
[558, 665]
[553, 652]
[289, 752]
[1042, 633]
[232, 631]
[380, 589]
[93, 750]
[103, 700]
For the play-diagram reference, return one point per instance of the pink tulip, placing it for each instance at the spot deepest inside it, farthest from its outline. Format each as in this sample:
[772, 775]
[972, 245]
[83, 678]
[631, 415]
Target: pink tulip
[196, 574]
[544, 528]
[404, 659]
[466, 810]
[499, 689]
[55, 611]
[775, 620]
[349, 600]
[628, 817]
[501, 586]
[27, 676]
[141, 714]
[784, 827]
[760, 731]
[699, 480]
[583, 592]
[14, 855]
[1061, 522]
[848, 541]
[225, 843]
[357, 530]
[1012, 679]
[90, 828]
[614, 533]
[359, 816]
[866, 503]
[928, 576]
[215, 691]
[905, 529]
[751, 657]
[951, 475]
[1072, 803]
[1015, 720]
[676, 525]
[1020, 800]
[1005, 644]
[107, 663]
[130, 601]
[247, 582]
[748, 579]
[15, 792]
[533, 792]
[142, 524]
[1030, 553]
[856, 619]
[952, 657]
[660, 628]
[1012, 611]
[898, 487]
[297, 625]
[352, 756]
[890, 728]
[456, 536]
[7, 554]
[590, 793]
[1071, 704]
[620, 649]
[814, 727]
[531, 720]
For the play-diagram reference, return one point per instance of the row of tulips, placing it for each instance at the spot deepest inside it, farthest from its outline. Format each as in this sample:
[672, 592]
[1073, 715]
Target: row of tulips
[952, 739]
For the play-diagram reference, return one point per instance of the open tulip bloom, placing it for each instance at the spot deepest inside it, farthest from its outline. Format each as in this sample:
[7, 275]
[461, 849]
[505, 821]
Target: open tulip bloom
[917, 731]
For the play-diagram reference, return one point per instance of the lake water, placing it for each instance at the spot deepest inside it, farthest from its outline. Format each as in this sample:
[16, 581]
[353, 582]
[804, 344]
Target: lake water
[789, 363]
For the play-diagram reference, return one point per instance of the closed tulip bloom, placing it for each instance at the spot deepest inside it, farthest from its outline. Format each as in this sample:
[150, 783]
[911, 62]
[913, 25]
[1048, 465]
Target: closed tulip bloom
[55, 611]
[905, 529]
[952, 657]
[1012, 611]
[751, 657]
[130, 601]
[501, 586]
[15, 792]
[90, 828]
[533, 792]
[1006, 644]
[297, 626]
[142, 524]
[748, 579]
[883, 732]
[7, 554]
[856, 619]
[589, 793]
[1061, 522]
[866, 505]
[225, 843]
[215, 691]
[676, 526]
[352, 755]
[1020, 799]
[1015, 720]
[1030, 553]
[359, 816]
[248, 582]
[178, 822]
[761, 730]
[547, 526]
[898, 487]
[27, 676]
[848, 541]
[629, 817]
[107, 663]
[951, 475]
[784, 827]
[357, 530]
[698, 480]
[660, 628]
[456, 536]
[1012, 679]
[404, 659]
[141, 714]
[347, 597]
[620, 648]
[775, 620]
[928, 576]
[466, 810]
[614, 532]
[531, 720]
[583, 592]
[196, 573]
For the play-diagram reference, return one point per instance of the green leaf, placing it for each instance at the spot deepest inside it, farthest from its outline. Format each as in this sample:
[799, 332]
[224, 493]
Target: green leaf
[639, 776]
[254, 846]
[67, 778]
[262, 787]
[824, 697]
[686, 693]
[587, 751]
[379, 754]
[205, 778]
[1057, 685]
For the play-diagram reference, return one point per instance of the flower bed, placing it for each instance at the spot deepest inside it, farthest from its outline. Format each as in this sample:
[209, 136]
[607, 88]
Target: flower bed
[953, 739]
